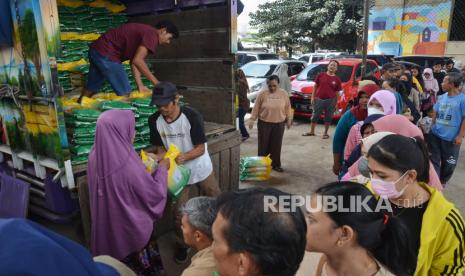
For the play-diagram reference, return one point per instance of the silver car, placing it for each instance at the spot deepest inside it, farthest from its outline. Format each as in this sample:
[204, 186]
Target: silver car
[257, 72]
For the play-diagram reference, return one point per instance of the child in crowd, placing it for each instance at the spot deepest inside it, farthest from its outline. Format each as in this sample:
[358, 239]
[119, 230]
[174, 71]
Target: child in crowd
[426, 122]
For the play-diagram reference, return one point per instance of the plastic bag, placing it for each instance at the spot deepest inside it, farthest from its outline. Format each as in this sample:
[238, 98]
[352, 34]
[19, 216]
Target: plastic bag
[84, 132]
[256, 161]
[81, 150]
[78, 36]
[78, 160]
[116, 105]
[178, 175]
[86, 115]
[89, 102]
[71, 66]
[256, 168]
[84, 141]
[71, 122]
[149, 163]
[139, 95]
[140, 146]
[146, 111]
[141, 102]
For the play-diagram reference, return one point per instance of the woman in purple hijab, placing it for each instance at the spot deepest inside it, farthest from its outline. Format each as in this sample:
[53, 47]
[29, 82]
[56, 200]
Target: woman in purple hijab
[125, 200]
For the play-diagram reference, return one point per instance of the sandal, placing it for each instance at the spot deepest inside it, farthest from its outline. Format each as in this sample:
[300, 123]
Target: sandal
[308, 134]
[326, 136]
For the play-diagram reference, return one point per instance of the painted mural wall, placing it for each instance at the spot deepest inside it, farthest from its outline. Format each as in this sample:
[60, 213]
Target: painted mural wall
[409, 29]
[34, 120]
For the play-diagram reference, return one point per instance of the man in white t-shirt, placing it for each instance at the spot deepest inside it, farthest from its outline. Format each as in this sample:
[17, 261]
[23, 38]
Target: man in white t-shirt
[183, 127]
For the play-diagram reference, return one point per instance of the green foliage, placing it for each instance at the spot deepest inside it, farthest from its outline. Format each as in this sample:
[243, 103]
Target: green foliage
[297, 22]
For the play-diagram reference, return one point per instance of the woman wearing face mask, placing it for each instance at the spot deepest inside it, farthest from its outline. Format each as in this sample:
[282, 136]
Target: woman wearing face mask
[392, 85]
[381, 103]
[399, 168]
[366, 144]
[357, 113]
[398, 124]
[273, 111]
[413, 94]
[356, 242]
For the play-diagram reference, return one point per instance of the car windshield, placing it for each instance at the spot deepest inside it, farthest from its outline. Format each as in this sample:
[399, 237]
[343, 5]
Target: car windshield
[309, 74]
[256, 70]
[267, 56]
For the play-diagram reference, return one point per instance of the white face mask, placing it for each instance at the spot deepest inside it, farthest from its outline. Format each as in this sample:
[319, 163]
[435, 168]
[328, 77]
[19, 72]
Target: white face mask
[374, 110]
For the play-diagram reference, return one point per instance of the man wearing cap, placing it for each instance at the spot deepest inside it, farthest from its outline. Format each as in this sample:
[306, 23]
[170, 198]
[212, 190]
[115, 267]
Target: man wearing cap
[133, 42]
[389, 71]
[183, 127]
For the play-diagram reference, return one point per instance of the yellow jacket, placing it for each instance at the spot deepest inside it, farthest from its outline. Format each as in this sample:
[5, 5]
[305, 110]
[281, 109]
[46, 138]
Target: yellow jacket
[417, 84]
[442, 237]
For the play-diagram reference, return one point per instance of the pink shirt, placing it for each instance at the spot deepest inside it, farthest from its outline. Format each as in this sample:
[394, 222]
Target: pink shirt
[353, 139]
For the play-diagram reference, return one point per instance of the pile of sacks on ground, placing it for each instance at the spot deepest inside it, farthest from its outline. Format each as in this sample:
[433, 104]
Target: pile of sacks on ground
[256, 168]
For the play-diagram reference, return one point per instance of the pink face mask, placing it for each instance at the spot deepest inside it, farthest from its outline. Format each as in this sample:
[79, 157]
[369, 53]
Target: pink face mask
[387, 189]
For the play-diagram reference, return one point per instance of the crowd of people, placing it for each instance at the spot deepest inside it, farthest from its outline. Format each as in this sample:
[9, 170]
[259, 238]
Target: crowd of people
[397, 145]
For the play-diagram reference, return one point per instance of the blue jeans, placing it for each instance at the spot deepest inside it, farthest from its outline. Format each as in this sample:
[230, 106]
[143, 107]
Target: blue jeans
[241, 114]
[101, 69]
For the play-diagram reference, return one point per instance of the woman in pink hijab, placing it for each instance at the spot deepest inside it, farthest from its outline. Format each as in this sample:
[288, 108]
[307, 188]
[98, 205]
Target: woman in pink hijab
[398, 124]
[125, 200]
[382, 102]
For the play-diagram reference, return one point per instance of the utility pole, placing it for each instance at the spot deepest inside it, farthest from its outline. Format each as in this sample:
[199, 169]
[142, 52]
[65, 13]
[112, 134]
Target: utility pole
[366, 14]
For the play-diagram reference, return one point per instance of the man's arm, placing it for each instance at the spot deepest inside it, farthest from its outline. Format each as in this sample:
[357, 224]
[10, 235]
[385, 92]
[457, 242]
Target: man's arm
[136, 73]
[196, 152]
[459, 138]
[141, 66]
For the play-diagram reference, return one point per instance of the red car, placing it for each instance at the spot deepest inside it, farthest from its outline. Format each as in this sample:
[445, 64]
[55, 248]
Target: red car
[349, 71]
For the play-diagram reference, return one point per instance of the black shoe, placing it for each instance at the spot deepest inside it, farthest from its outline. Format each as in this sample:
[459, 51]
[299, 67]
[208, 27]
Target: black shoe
[278, 169]
[244, 138]
[180, 257]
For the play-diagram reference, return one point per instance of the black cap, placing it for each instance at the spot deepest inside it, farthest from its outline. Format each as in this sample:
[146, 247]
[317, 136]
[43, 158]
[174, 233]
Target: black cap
[163, 93]
[450, 61]
[439, 62]
[389, 66]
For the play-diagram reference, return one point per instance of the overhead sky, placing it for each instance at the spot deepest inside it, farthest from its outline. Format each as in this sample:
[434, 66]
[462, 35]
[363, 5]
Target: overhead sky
[243, 19]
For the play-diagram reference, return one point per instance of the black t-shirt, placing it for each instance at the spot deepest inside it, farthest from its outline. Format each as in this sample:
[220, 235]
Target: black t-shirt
[412, 218]
[439, 77]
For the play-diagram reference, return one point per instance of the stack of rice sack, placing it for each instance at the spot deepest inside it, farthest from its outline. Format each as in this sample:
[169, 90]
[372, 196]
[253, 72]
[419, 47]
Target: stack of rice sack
[257, 168]
[81, 124]
[82, 22]
[143, 112]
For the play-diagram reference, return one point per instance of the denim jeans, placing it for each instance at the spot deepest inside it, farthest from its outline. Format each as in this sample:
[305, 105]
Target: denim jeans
[241, 114]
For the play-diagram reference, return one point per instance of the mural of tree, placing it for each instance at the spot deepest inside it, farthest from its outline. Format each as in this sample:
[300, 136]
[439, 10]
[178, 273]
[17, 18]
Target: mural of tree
[30, 46]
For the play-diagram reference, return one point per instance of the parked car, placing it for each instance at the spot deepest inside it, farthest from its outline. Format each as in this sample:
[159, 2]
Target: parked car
[314, 57]
[409, 65]
[349, 71]
[257, 72]
[380, 59]
[246, 57]
[422, 61]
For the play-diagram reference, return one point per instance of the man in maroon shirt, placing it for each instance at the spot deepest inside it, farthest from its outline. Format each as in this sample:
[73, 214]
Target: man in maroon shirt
[324, 97]
[133, 42]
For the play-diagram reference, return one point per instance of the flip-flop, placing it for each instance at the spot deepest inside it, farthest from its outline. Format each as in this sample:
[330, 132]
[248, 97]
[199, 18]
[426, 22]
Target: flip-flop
[326, 136]
[308, 134]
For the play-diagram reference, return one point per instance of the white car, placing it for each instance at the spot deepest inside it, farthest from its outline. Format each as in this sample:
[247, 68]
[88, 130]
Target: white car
[257, 72]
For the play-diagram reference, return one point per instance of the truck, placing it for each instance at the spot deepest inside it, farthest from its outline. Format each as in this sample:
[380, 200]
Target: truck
[43, 64]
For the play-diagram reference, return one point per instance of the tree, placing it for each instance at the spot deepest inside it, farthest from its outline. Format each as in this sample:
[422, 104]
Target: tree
[324, 23]
[30, 45]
